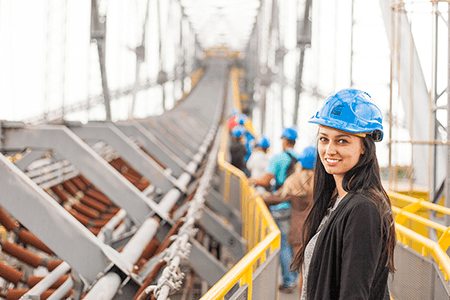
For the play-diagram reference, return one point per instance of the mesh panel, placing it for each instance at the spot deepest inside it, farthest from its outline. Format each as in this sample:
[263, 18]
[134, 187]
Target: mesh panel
[235, 192]
[414, 277]
[241, 293]
[441, 288]
[265, 279]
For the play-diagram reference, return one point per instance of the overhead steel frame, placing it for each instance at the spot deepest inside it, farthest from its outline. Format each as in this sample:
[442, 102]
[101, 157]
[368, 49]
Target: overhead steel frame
[408, 78]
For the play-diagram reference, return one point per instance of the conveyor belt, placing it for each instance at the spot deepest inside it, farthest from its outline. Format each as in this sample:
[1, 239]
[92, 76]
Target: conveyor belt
[103, 200]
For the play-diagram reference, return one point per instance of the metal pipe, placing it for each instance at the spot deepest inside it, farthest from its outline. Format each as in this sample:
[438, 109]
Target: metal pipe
[133, 249]
[109, 227]
[48, 280]
[105, 288]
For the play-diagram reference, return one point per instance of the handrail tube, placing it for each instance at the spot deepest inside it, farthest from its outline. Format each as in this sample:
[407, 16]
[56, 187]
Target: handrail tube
[236, 273]
[423, 203]
[419, 219]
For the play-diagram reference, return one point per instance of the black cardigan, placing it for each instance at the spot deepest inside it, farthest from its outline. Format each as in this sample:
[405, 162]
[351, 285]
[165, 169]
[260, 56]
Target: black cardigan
[348, 260]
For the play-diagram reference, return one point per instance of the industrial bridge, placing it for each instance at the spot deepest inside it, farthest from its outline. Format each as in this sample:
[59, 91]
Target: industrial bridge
[124, 190]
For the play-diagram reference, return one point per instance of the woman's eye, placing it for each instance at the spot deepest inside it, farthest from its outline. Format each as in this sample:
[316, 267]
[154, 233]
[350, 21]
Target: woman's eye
[323, 139]
[342, 141]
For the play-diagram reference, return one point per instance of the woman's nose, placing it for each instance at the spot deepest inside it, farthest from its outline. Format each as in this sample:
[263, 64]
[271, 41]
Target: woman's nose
[331, 148]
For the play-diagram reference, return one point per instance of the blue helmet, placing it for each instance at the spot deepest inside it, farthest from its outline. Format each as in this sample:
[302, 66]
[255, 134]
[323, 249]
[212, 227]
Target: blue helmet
[263, 142]
[308, 157]
[238, 131]
[289, 133]
[242, 119]
[353, 111]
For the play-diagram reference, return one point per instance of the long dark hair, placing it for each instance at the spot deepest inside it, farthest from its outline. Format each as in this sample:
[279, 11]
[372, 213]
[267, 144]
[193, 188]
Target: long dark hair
[364, 177]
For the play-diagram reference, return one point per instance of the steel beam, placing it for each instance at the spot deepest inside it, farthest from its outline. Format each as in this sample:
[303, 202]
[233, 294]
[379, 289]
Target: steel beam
[88, 162]
[205, 264]
[410, 64]
[216, 203]
[183, 153]
[53, 225]
[223, 233]
[128, 150]
[178, 139]
[153, 146]
[187, 128]
[177, 131]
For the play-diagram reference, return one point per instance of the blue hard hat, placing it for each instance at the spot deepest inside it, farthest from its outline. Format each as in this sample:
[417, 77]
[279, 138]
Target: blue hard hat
[242, 119]
[353, 111]
[238, 131]
[263, 142]
[308, 157]
[289, 133]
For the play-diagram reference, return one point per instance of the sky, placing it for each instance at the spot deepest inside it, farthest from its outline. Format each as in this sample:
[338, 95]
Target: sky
[47, 60]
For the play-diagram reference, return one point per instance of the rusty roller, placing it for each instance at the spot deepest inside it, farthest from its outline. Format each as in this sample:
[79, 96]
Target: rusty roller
[98, 206]
[86, 210]
[78, 183]
[24, 235]
[60, 192]
[70, 187]
[85, 181]
[28, 257]
[97, 195]
[10, 274]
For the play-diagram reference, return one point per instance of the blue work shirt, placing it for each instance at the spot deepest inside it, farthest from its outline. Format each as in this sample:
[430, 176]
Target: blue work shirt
[249, 144]
[278, 167]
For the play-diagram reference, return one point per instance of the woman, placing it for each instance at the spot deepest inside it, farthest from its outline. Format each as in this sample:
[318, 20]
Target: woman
[349, 235]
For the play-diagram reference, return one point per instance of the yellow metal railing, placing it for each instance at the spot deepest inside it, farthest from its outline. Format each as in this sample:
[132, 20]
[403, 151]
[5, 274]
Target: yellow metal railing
[258, 227]
[408, 222]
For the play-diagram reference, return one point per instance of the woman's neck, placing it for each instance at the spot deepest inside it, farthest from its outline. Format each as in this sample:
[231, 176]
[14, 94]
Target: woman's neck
[338, 180]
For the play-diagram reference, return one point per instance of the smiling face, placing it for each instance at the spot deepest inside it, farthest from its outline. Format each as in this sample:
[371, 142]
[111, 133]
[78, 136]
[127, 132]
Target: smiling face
[339, 151]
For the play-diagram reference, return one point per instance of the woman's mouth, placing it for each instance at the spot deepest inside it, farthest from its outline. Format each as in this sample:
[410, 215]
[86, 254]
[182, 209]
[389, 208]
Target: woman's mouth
[331, 161]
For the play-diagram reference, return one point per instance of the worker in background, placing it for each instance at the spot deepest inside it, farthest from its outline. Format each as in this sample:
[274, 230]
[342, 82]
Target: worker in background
[278, 169]
[250, 139]
[259, 160]
[298, 190]
[238, 150]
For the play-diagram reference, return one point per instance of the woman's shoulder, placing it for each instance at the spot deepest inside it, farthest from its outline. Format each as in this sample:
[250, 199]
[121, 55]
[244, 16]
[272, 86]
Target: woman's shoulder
[361, 201]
